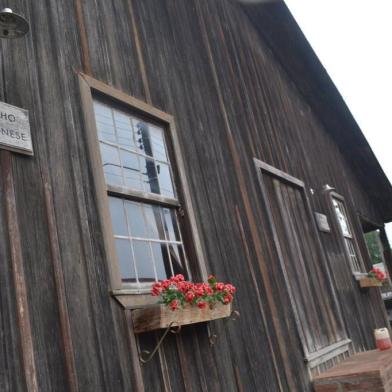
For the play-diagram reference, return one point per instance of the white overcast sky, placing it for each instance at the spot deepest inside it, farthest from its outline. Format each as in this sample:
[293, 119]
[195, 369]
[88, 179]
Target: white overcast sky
[353, 40]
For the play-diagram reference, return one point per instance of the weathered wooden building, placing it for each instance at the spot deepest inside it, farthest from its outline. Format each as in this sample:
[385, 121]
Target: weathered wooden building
[194, 136]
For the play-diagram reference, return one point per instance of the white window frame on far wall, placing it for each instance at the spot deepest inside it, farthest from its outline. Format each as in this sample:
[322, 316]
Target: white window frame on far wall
[180, 200]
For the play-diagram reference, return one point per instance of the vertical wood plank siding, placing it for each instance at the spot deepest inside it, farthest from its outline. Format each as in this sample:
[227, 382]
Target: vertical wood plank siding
[204, 63]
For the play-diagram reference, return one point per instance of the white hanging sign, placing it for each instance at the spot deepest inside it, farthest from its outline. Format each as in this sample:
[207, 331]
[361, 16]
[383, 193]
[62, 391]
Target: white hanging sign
[322, 222]
[15, 129]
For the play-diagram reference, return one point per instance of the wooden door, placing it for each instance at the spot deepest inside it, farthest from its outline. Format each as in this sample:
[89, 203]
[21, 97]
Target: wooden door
[304, 267]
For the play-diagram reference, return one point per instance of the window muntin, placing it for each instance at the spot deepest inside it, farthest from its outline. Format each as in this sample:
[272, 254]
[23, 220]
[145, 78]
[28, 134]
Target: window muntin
[147, 238]
[342, 217]
[133, 152]
[344, 223]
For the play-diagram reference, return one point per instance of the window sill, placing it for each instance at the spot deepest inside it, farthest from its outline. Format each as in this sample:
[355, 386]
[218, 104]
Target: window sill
[132, 299]
[359, 275]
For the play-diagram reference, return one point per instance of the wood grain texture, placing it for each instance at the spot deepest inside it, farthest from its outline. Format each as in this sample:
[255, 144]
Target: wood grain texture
[369, 282]
[19, 280]
[68, 348]
[161, 316]
[224, 80]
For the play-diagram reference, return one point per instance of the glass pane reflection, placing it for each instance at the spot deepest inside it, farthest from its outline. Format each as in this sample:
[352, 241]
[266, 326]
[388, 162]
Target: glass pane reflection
[136, 220]
[144, 262]
[170, 222]
[158, 144]
[117, 214]
[153, 222]
[111, 164]
[177, 258]
[150, 176]
[132, 170]
[125, 259]
[162, 262]
[165, 180]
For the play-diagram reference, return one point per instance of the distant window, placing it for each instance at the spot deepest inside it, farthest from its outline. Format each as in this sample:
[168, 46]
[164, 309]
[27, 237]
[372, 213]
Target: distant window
[142, 198]
[346, 230]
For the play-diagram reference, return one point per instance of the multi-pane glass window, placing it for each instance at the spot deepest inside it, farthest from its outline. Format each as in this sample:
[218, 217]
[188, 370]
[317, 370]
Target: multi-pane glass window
[341, 215]
[135, 161]
[133, 152]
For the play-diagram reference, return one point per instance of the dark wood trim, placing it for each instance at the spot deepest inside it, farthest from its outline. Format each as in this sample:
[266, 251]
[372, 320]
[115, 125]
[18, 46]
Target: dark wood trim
[99, 182]
[139, 52]
[133, 103]
[137, 379]
[278, 173]
[60, 290]
[22, 310]
[83, 37]
[374, 225]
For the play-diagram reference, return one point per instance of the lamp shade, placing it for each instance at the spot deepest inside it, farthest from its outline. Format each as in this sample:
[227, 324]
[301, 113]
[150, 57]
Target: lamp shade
[12, 25]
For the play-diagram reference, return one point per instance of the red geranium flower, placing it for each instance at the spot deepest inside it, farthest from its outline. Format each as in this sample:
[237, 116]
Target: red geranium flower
[177, 278]
[176, 292]
[174, 304]
[189, 296]
[230, 288]
[227, 299]
[156, 289]
[201, 304]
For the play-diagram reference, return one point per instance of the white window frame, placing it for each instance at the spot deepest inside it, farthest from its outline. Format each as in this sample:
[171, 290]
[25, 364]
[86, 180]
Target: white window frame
[90, 88]
[348, 237]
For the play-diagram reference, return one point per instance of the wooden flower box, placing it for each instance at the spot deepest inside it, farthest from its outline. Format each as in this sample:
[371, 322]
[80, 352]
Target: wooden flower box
[369, 282]
[160, 316]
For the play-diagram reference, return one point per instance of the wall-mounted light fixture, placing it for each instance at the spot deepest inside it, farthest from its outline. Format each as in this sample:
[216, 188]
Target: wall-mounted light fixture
[327, 188]
[12, 25]
[14, 121]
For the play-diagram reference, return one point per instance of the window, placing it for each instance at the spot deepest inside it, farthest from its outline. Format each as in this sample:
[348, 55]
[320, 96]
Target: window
[341, 214]
[133, 152]
[143, 202]
[377, 250]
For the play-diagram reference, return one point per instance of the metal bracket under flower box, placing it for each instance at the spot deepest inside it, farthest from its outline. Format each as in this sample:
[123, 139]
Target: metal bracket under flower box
[369, 282]
[160, 316]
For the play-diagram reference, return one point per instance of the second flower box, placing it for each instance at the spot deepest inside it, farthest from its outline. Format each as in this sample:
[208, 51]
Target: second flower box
[369, 282]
